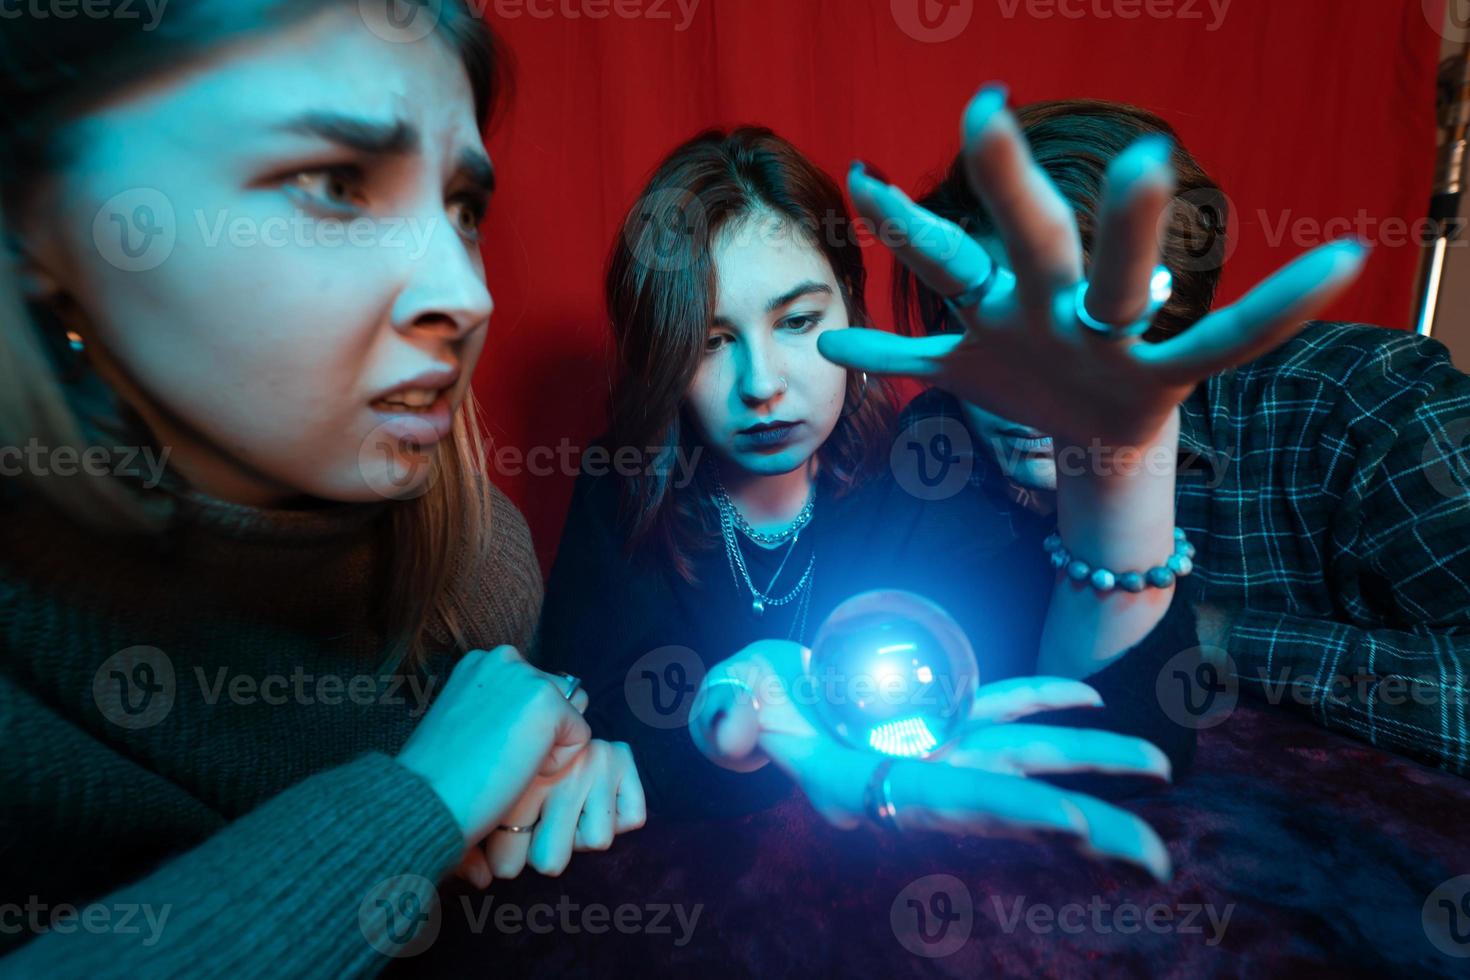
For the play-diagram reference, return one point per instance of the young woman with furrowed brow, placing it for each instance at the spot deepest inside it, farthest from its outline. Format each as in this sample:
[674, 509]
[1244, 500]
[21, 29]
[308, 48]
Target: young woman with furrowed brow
[731, 291]
[323, 514]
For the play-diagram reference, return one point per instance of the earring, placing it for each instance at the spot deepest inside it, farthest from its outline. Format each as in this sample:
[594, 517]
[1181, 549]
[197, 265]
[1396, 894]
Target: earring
[75, 342]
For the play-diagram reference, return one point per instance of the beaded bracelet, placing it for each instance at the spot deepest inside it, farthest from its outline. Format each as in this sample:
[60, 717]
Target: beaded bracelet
[1178, 565]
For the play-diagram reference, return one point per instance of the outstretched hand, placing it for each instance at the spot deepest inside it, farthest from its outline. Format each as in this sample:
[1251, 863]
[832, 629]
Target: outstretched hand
[745, 716]
[1024, 352]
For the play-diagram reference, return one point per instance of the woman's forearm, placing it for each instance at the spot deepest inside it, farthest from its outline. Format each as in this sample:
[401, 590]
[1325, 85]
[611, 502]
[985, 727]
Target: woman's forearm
[1115, 510]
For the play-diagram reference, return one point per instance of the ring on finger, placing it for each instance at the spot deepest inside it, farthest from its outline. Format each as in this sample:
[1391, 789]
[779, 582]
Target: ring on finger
[1160, 288]
[511, 828]
[573, 682]
[878, 797]
[972, 295]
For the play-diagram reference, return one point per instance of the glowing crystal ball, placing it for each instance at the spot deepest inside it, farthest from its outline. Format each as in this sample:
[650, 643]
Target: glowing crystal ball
[893, 672]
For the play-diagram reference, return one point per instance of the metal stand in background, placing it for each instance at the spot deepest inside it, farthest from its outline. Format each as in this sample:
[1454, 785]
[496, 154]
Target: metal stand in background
[1449, 181]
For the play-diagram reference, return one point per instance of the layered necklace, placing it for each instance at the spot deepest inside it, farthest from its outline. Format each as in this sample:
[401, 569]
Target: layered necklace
[732, 524]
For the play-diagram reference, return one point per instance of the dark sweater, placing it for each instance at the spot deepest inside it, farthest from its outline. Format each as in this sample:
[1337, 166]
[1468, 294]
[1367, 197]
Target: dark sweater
[631, 627]
[260, 829]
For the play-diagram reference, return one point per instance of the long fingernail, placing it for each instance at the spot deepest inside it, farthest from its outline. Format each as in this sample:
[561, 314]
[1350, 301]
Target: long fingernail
[1351, 254]
[1155, 148]
[983, 108]
[1156, 859]
[866, 169]
[1158, 763]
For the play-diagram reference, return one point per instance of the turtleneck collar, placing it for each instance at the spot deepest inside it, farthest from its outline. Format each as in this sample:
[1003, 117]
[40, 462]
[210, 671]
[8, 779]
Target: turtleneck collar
[322, 521]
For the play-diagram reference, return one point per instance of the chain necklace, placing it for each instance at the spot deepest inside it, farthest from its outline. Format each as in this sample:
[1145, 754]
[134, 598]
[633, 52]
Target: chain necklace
[741, 574]
[788, 533]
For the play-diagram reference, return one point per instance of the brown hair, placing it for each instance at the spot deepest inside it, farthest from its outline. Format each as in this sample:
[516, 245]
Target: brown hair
[51, 70]
[661, 289]
[1074, 141]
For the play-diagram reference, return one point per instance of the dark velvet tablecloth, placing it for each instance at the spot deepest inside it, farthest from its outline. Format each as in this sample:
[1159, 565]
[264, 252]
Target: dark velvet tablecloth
[1297, 851]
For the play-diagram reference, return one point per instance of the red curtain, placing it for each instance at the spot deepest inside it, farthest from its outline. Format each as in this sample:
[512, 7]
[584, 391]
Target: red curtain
[1316, 117]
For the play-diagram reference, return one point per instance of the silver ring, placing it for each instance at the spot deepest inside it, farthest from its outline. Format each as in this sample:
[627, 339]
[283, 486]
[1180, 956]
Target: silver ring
[736, 682]
[511, 828]
[1160, 288]
[878, 797]
[573, 682]
[974, 294]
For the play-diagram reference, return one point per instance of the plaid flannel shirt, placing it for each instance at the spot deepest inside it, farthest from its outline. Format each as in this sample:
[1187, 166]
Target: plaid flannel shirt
[1326, 487]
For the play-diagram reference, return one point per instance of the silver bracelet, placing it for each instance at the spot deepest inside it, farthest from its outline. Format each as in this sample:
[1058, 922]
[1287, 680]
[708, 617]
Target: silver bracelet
[1177, 565]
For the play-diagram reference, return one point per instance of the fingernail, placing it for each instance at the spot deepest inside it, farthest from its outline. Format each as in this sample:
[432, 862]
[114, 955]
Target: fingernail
[1156, 859]
[1157, 762]
[1156, 148]
[1351, 254]
[868, 170]
[983, 108]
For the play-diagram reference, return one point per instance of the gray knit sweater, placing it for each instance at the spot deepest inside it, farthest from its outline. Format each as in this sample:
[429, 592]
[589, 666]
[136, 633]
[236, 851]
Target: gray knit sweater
[199, 773]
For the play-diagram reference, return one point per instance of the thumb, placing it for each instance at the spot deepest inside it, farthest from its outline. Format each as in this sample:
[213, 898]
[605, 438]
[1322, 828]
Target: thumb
[880, 352]
[736, 732]
[725, 728]
[571, 737]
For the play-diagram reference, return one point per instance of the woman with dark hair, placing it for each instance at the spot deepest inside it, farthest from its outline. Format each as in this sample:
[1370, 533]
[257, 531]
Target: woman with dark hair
[263, 692]
[768, 498]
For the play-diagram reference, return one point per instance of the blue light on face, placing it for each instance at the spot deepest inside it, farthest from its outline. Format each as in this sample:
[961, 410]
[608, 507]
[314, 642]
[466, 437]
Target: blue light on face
[892, 672]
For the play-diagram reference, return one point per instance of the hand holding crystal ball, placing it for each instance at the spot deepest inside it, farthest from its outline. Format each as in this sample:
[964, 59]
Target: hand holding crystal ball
[892, 672]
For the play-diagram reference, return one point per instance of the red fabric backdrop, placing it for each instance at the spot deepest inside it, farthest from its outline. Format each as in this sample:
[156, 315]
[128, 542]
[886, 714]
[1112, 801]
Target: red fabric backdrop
[1305, 111]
